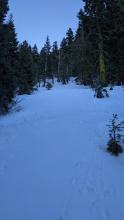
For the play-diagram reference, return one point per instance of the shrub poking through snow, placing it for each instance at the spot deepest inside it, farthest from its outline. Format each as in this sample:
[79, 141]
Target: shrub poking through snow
[101, 92]
[111, 88]
[115, 136]
[49, 86]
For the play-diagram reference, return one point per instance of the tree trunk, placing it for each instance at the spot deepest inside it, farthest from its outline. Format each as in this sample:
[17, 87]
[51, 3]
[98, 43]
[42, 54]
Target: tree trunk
[102, 68]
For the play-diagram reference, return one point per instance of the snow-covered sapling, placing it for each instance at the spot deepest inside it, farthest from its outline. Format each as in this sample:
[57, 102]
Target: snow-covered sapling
[111, 88]
[49, 86]
[115, 136]
[101, 92]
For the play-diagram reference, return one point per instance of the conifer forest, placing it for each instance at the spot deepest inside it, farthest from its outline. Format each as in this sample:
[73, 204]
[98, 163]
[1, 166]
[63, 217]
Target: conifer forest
[93, 55]
[62, 110]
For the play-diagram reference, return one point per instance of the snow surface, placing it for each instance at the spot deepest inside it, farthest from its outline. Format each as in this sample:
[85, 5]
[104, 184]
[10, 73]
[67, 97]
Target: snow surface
[53, 162]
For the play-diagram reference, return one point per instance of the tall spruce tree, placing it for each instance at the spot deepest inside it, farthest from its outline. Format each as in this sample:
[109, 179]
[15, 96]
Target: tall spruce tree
[45, 61]
[99, 41]
[8, 55]
[85, 46]
[27, 74]
[36, 64]
[95, 10]
[63, 61]
[78, 47]
[54, 59]
[3, 10]
[70, 51]
[119, 20]
[113, 31]
[47, 49]
[13, 46]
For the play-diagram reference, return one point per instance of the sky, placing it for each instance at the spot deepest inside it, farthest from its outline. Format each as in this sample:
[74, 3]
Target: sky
[35, 19]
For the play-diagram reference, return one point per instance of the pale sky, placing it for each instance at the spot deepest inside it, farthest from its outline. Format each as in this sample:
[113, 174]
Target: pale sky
[35, 19]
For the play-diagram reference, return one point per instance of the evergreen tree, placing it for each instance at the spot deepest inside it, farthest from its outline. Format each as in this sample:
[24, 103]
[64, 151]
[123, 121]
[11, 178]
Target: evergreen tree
[78, 48]
[3, 10]
[45, 61]
[36, 64]
[27, 75]
[95, 10]
[85, 49]
[99, 42]
[63, 62]
[119, 30]
[69, 37]
[8, 57]
[70, 51]
[54, 59]
[80, 45]
[114, 41]
[13, 46]
[47, 49]
[43, 65]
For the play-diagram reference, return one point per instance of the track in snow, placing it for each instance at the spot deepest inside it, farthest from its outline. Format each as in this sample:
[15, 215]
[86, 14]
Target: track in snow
[53, 163]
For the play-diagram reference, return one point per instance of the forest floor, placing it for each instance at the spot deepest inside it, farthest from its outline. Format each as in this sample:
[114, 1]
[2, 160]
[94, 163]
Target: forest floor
[53, 159]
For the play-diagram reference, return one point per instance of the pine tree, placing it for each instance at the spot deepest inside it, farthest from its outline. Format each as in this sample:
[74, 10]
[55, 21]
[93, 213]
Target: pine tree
[42, 65]
[36, 64]
[85, 49]
[13, 46]
[45, 61]
[120, 39]
[47, 49]
[78, 48]
[27, 75]
[63, 62]
[103, 27]
[69, 37]
[66, 57]
[81, 58]
[114, 41]
[3, 10]
[8, 55]
[70, 51]
[95, 10]
[54, 59]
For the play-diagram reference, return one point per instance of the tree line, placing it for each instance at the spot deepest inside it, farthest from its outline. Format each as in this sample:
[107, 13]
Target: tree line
[93, 55]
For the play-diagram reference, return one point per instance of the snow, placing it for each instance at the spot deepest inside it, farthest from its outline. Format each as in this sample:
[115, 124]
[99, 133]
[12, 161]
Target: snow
[53, 159]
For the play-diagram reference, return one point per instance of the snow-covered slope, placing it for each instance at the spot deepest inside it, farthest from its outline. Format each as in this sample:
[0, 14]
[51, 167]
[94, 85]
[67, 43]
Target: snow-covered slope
[53, 163]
